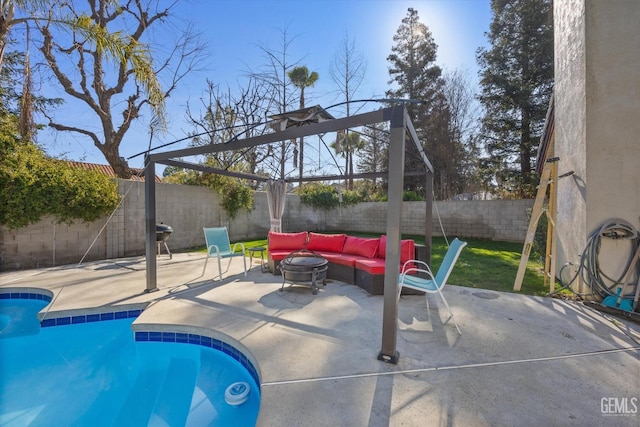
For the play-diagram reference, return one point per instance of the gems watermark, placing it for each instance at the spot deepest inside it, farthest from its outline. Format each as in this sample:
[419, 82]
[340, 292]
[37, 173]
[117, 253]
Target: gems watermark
[619, 406]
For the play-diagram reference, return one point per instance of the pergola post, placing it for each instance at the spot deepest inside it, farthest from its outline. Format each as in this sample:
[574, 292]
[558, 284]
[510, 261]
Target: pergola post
[388, 353]
[401, 129]
[150, 223]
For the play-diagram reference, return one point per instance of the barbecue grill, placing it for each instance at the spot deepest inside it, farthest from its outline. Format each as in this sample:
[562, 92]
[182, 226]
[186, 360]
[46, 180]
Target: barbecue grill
[163, 232]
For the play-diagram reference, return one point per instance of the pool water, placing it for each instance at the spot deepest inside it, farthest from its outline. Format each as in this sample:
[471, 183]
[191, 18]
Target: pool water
[95, 374]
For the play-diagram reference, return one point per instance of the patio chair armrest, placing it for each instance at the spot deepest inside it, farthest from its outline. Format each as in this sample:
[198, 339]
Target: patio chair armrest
[416, 270]
[417, 262]
[241, 247]
[217, 249]
[413, 262]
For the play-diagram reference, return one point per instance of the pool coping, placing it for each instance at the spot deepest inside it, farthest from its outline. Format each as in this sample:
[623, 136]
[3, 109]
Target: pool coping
[317, 354]
[142, 331]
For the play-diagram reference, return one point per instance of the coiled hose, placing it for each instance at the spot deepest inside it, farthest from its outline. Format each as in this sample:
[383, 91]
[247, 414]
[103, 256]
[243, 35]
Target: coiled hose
[589, 270]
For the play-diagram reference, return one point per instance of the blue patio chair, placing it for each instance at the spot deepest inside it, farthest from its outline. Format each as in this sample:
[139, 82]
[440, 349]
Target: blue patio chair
[431, 284]
[218, 246]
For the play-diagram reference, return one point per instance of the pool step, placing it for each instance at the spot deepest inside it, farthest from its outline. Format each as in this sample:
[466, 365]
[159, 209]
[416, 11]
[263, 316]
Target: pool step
[136, 409]
[174, 397]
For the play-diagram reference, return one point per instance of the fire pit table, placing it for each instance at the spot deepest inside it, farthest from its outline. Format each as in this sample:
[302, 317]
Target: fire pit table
[304, 267]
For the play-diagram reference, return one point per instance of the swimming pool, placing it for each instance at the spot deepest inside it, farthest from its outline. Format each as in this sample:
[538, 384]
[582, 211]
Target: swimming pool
[95, 373]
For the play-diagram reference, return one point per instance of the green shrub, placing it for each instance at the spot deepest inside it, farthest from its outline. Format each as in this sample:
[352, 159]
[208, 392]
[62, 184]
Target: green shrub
[411, 196]
[407, 196]
[234, 195]
[326, 197]
[33, 185]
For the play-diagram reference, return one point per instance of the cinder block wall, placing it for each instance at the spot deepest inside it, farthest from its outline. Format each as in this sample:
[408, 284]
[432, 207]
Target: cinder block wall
[188, 208]
[504, 220]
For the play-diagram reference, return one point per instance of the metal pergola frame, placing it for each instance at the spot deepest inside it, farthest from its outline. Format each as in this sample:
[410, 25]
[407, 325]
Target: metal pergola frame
[401, 128]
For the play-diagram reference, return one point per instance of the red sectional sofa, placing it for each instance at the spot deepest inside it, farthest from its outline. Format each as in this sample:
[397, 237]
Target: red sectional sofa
[354, 260]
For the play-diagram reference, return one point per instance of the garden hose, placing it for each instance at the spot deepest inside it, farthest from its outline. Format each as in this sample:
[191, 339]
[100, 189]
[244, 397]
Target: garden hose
[589, 270]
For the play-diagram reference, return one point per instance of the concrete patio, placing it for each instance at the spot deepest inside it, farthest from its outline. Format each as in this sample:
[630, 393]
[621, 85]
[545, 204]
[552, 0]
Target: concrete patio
[521, 360]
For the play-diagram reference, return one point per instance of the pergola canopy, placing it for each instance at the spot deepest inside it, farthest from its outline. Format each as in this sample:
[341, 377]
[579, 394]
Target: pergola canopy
[306, 124]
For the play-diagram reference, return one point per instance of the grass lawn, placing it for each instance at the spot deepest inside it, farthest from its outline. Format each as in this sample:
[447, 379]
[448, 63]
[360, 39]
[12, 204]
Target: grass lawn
[483, 264]
[486, 264]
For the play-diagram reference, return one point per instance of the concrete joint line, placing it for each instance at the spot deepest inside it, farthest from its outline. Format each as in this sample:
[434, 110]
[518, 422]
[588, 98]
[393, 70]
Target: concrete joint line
[450, 368]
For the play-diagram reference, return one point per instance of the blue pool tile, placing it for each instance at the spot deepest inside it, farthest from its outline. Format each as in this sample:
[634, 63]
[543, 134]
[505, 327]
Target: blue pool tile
[106, 316]
[78, 319]
[25, 295]
[93, 318]
[142, 336]
[48, 322]
[169, 336]
[134, 313]
[196, 339]
[121, 314]
[155, 336]
[226, 348]
[63, 321]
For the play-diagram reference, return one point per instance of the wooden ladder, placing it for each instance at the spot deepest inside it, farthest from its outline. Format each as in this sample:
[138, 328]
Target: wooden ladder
[548, 179]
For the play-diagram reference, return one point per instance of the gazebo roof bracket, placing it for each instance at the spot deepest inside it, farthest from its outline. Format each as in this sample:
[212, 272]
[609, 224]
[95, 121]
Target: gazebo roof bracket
[401, 129]
[416, 141]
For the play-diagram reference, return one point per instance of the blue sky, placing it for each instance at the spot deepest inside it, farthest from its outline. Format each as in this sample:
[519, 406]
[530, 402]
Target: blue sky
[233, 29]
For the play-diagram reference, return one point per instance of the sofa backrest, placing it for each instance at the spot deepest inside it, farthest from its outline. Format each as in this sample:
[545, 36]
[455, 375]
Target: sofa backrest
[407, 249]
[326, 242]
[286, 241]
[338, 243]
[361, 246]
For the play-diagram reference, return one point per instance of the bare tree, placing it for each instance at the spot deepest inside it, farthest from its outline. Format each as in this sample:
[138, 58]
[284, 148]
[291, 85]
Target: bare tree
[226, 116]
[463, 122]
[274, 74]
[347, 72]
[115, 93]
[374, 152]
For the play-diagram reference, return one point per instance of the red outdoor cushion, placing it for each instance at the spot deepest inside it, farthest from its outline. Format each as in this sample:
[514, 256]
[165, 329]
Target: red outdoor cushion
[371, 265]
[326, 242]
[288, 241]
[361, 246]
[407, 249]
[278, 254]
[341, 259]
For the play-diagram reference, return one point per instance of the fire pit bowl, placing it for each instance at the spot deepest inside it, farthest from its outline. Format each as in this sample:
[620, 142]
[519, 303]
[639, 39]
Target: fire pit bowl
[304, 267]
[163, 232]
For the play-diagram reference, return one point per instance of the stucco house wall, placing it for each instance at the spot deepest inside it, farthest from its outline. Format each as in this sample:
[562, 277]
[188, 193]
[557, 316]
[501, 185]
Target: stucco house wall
[597, 122]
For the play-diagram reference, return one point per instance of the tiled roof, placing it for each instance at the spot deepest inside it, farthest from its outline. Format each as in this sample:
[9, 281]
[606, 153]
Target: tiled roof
[108, 170]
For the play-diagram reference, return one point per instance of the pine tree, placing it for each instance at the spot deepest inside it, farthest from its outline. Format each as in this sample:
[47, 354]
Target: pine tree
[516, 82]
[416, 76]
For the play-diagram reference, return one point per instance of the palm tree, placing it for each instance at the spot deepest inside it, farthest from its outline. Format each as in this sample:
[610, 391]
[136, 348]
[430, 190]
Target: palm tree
[346, 144]
[301, 79]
